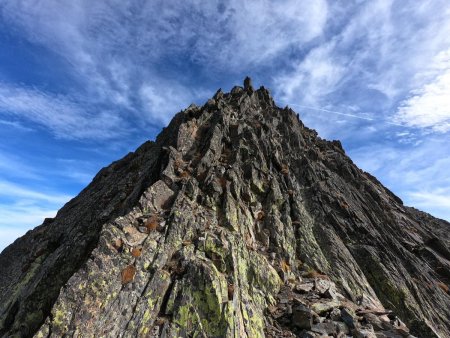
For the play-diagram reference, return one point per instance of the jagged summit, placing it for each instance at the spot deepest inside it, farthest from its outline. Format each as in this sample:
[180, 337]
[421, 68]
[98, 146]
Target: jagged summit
[238, 221]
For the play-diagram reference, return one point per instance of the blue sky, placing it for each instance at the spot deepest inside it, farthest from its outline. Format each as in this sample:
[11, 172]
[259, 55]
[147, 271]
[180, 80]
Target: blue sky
[82, 83]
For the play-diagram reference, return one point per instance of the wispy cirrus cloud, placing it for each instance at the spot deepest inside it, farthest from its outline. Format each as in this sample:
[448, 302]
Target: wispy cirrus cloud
[429, 105]
[378, 59]
[161, 102]
[22, 208]
[12, 166]
[312, 78]
[432, 199]
[13, 191]
[16, 220]
[117, 49]
[62, 115]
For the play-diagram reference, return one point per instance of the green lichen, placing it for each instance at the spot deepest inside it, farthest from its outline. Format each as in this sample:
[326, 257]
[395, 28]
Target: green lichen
[146, 316]
[59, 321]
[231, 214]
[262, 275]
[202, 304]
[171, 300]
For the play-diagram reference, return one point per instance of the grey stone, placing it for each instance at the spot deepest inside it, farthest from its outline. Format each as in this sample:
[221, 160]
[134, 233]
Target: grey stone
[348, 317]
[302, 317]
[325, 328]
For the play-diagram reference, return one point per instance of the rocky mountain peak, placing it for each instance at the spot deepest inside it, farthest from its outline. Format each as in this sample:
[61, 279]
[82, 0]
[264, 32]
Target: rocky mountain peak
[238, 221]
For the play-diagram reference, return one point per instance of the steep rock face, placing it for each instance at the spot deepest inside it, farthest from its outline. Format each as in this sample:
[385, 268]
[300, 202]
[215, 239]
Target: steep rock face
[237, 222]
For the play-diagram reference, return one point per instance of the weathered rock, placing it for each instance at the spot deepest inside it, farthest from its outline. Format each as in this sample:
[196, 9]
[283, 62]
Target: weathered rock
[325, 328]
[364, 333]
[348, 317]
[322, 307]
[307, 334]
[302, 317]
[196, 233]
[335, 314]
[304, 287]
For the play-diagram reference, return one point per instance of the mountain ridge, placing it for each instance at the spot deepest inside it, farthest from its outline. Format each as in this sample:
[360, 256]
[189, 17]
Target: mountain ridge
[241, 195]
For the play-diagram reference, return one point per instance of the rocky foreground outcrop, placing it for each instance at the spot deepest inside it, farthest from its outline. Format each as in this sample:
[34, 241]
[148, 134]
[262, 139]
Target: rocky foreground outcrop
[238, 221]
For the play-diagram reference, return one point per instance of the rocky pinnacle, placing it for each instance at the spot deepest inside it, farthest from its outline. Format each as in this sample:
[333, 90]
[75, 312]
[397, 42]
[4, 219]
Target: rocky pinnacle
[238, 221]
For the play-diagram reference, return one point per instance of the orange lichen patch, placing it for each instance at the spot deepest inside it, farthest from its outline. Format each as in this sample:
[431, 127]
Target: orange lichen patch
[444, 287]
[260, 215]
[128, 274]
[315, 274]
[311, 273]
[185, 174]
[117, 244]
[343, 204]
[136, 252]
[152, 223]
[284, 169]
[285, 266]
[186, 242]
[179, 163]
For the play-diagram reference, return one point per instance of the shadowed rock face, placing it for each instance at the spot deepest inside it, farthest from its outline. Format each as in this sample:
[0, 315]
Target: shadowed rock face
[238, 221]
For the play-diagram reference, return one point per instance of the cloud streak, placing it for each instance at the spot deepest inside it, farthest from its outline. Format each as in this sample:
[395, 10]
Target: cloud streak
[379, 59]
[116, 48]
[60, 114]
[23, 208]
[11, 190]
[429, 105]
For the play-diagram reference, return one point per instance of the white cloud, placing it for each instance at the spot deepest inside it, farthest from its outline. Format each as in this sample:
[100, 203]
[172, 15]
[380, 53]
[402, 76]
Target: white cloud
[161, 102]
[312, 78]
[14, 191]
[13, 166]
[22, 209]
[438, 198]
[429, 105]
[64, 117]
[377, 55]
[24, 218]
[15, 124]
[9, 235]
[262, 29]
[116, 48]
